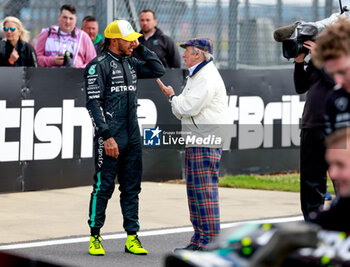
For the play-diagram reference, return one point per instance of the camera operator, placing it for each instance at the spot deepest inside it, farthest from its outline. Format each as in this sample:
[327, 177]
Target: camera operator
[313, 166]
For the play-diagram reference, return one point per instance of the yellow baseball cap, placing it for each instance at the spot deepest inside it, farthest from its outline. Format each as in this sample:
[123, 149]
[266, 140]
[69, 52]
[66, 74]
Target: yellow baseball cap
[121, 29]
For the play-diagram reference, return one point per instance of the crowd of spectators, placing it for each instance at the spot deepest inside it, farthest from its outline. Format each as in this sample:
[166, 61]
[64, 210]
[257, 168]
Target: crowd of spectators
[65, 45]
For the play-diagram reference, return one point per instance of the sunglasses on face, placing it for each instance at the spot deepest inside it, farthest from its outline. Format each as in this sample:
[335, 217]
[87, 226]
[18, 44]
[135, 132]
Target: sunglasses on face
[12, 29]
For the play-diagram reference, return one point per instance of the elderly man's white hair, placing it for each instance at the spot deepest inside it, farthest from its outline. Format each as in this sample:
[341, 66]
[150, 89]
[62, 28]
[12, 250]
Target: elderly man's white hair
[206, 55]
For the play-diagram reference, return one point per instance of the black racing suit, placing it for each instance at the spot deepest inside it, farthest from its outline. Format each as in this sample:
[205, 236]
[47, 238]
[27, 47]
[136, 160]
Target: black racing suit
[337, 110]
[111, 91]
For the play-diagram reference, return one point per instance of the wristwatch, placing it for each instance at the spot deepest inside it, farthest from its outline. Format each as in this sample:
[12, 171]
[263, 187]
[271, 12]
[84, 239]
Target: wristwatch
[171, 98]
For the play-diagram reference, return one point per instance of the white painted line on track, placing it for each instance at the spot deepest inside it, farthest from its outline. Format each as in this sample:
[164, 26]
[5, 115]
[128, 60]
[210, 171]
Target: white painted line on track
[143, 233]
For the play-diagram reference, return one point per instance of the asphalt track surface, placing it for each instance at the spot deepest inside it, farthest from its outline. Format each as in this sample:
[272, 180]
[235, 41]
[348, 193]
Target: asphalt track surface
[74, 251]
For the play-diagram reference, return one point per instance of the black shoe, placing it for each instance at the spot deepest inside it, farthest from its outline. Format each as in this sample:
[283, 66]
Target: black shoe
[202, 249]
[188, 247]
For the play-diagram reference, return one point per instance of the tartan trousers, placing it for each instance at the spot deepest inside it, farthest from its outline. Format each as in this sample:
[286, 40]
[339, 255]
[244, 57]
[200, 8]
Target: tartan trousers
[202, 178]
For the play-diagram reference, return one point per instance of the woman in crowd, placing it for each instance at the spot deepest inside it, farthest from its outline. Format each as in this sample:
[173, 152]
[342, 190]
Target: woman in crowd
[14, 49]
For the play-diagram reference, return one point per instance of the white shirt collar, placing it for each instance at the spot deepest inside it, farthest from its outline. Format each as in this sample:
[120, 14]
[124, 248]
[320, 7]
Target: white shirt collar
[191, 69]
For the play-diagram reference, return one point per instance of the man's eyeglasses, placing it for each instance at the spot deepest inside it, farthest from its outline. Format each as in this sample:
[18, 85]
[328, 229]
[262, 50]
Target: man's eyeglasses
[12, 29]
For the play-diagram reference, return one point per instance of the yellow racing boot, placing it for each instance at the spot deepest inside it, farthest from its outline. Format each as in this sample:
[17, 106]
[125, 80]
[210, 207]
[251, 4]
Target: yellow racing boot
[96, 248]
[133, 245]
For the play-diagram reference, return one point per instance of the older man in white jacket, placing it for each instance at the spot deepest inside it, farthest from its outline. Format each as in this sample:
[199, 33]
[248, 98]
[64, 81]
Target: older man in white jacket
[202, 108]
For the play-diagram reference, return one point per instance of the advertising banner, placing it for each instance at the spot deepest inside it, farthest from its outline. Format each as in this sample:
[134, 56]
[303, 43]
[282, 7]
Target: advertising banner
[46, 134]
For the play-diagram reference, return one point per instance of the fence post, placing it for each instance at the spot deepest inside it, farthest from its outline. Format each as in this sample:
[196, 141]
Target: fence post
[173, 18]
[104, 13]
[134, 18]
[245, 37]
[232, 34]
[278, 24]
[315, 10]
[328, 8]
[218, 30]
[194, 20]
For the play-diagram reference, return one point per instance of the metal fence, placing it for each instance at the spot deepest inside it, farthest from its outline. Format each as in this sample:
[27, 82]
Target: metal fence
[242, 31]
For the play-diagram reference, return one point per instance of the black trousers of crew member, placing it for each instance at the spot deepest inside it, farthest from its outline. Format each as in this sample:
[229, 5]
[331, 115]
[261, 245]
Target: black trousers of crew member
[128, 168]
[313, 170]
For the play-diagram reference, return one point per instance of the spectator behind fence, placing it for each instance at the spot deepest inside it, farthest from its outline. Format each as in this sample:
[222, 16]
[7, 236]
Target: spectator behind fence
[14, 49]
[64, 45]
[313, 165]
[90, 26]
[202, 109]
[155, 40]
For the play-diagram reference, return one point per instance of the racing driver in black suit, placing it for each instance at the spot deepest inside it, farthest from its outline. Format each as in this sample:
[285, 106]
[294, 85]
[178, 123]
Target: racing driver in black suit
[111, 91]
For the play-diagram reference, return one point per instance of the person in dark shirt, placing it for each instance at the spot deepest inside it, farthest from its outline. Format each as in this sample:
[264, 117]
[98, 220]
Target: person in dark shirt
[336, 217]
[15, 51]
[155, 40]
[333, 53]
[313, 166]
[90, 26]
